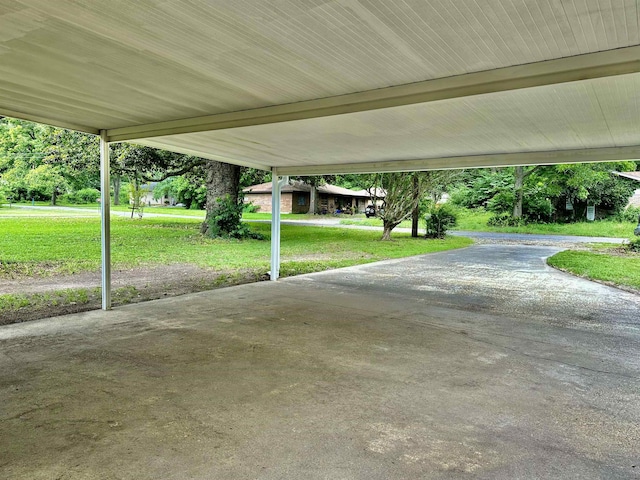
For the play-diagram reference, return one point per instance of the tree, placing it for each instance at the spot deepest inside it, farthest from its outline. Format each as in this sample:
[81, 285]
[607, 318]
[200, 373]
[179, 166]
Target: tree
[20, 151]
[25, 147]
[223, 199]
[542, 193]
[76, 155]
[253, 176]
[402, 196]
[45, 181]
[222, 182]
[588, 184]
[520, 174]
[434, 183]
[183, 189]
[73, 162]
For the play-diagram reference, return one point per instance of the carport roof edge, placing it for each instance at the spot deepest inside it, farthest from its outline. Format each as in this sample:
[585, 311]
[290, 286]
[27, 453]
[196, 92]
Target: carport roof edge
[293, 75]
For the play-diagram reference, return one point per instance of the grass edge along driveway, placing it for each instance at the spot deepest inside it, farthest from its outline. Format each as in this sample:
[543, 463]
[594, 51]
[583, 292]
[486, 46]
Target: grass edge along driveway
[620, 270]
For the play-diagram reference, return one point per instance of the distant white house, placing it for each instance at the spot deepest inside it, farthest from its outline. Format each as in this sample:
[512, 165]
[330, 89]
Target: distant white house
[148, 200]
[634, 201]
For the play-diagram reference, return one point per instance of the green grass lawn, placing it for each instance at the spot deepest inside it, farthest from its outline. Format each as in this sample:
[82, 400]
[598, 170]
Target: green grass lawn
[617, 269]
[52, 245]
[476, 221]
[468, 220]
[93, 209]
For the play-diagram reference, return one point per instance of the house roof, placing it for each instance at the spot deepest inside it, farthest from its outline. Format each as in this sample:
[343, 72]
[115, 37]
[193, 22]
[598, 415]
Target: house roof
[376, 191]
[287, 188]
[630, 175]
[333, 86]
[341, 191]
[298, 186]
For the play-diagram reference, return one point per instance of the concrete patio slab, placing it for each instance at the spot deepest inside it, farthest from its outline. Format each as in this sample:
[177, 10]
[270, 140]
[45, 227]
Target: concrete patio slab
[481, 363]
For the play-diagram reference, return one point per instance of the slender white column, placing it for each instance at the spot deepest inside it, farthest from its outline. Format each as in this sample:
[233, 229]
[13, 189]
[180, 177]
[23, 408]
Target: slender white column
[275, 226]
[105, 221]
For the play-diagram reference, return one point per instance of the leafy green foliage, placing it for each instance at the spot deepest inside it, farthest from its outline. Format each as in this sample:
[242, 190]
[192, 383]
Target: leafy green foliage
[85, 195]
[589, 184]
[250, 208]
[252, 176]
[225, 220]
[37, 161]
[136, 192]
[438, 219]
[546, 191]
[634, 244]
[482, 186]
[505, 219]
[150, 164]
[45, 181]
[353, 181]
[629, 214]
[184, 190]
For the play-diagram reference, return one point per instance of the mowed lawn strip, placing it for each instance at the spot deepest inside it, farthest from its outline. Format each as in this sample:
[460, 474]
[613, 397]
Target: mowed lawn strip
[41, 246]
[616, 269]
[476, 221]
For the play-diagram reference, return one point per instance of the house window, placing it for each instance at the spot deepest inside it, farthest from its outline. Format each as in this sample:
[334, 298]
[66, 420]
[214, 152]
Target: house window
[301, 201]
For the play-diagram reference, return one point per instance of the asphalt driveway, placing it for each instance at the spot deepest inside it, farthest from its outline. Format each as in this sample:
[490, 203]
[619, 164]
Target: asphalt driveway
[479, 363]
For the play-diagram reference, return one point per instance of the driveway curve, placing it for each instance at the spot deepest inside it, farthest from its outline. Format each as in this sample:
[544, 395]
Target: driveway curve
[480, 363]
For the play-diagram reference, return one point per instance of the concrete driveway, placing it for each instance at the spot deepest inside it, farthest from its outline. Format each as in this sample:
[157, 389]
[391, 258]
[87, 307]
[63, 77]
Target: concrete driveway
[479, 363]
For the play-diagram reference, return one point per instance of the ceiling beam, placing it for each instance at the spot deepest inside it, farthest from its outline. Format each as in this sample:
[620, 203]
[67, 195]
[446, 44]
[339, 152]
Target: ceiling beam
[4, 112]
[202, 154]
[570, 69]
[472, 161]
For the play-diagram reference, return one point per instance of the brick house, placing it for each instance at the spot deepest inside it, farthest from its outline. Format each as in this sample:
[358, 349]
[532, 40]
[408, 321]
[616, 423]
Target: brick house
[296, 198]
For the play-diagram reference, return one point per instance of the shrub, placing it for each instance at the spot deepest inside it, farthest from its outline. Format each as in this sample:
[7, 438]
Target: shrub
[439, 219]
[505, 219]
[629, 214]
[85, 195]
[225, 221]
[634, 244]
[250, 208]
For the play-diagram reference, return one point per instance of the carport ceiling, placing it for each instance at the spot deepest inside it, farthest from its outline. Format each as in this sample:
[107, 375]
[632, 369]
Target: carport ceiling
[328, 86]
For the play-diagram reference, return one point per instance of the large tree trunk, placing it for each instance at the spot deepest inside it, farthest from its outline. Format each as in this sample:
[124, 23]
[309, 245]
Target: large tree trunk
[386, 231]
[312, 200]
[222, 179]
[415, 216]
[116, 189]
[518, 186]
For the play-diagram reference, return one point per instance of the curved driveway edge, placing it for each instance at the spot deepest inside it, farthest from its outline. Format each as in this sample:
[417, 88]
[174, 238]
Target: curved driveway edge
[478, 363]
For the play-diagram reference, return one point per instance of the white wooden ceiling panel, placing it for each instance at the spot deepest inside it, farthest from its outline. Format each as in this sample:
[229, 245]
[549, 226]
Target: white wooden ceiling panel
[559, 117]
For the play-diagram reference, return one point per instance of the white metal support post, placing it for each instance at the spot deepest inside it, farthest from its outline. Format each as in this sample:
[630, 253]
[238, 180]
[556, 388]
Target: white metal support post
[276, 188]
[105, 221]
[275, 226]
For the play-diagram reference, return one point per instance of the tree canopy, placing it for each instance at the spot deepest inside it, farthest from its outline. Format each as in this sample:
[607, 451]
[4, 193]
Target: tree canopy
[548, 193]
